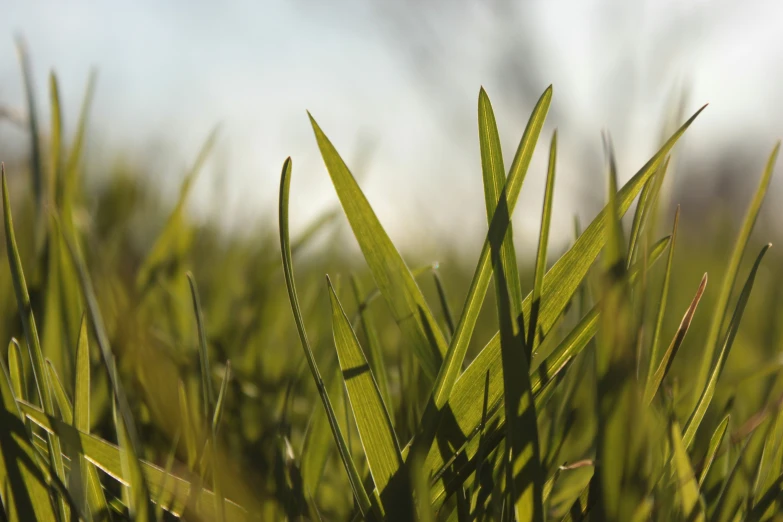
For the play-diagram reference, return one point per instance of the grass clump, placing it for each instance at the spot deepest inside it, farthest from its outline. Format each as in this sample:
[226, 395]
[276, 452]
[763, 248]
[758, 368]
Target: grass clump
[168, 381]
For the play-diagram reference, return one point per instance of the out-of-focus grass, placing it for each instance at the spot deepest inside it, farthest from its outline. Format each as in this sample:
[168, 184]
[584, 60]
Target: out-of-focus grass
[215, 410]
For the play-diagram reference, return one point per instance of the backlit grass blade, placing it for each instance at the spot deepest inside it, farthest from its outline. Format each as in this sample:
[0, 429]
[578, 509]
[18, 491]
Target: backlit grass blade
[208, 394]
[81, 420]
[173, 238]
[372, 418]
[391, 274]
[373, 346]
[285, 246]
[31, 335]
[712, 449]
[127, 424]
[497, 231]
[732, 269]
[524, 477]
[770, 463]
[709, 390]
[619, 482]
[690, 500]
[543, 240]
[444, 302]
[494, 175]
[16, 370]
[77, 147]
[36, 161]
[24, 493]
[656, 339]
[139, 501]
[59, 393]
[220, 404]
[663, 368]
[560, 283]
[462, 403]
[107, 457]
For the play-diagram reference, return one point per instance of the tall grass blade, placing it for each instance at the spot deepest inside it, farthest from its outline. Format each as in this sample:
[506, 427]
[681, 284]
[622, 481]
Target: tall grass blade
[208, 394]
[16, 370]
[285, 246]
[709, 390]
[494, 174]
[174, 239]
[374, 346]
[543, 240]
[31, 337]
[372, 418]
[22, 488]
[712, 449]
[663, 368]
[656, 340]
[391, 274]
[690, 500]
[729, 279]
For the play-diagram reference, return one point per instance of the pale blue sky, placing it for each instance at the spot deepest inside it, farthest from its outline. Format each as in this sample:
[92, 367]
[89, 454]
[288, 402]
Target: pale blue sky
[168, 71]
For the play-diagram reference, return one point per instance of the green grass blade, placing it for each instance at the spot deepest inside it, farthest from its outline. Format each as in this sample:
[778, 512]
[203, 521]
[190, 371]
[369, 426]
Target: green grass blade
[24, 493]
[77, 147]
[81, 420]
[690, 500]
[497, 231]
[494, 174]
[524, 479]
[55, 149]
[139, 501]
[372, 418]
[31, 336]
[208, 394]
[712, 449]
[220, 405]
[16, 370]
[462, 404]
[373, 346]
[666, 361]
[108, 458]
[36, 162]
[285, 246]
[60, 395]
[729, 279]
[543, 240]
[173, 239]
[656, 340]
[391, 274]
[444, 302]
[709, 390]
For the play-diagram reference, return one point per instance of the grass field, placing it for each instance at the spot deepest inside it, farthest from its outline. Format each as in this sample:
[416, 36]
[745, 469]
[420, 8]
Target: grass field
[157, 368]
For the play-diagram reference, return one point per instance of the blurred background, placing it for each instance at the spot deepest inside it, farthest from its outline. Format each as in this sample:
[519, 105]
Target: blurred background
[394, 84]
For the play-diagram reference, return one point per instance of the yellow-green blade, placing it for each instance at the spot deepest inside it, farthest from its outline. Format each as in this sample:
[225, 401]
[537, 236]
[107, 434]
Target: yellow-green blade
[666, 361]
[16, 370]
[373, 345]
[174, 239]
[712, 449]
[31, 336]
[479, 285]
[709, 390]
[376, 432]
[391, 274]
[285, 247]
[690, 500]
[22, 488]
[494, 176]
[208, 394]
[732, 270]
[543, 241]
[108, 458]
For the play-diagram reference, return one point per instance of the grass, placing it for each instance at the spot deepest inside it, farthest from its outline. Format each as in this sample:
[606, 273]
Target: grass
[163, 377]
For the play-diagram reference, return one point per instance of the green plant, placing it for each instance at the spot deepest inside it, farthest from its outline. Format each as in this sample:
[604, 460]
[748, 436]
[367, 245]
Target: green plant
[570, 411]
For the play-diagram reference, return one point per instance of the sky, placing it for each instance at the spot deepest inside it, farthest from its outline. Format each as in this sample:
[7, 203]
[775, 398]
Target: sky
[168, 72]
